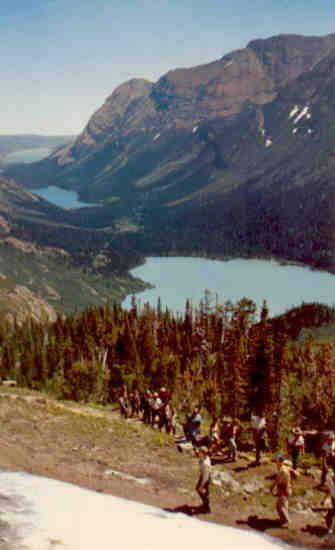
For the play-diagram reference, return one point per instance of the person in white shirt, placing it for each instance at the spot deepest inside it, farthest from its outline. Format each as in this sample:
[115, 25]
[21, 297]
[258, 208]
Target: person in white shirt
[205, 472]
[258, 425]
[156, 405]
[296, 446]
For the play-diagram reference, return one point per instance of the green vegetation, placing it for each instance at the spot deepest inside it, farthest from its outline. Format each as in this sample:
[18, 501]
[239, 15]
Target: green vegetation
[223, 358]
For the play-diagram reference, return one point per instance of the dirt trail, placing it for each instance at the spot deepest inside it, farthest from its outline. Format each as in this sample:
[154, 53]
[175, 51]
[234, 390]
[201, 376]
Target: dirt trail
[94, 448]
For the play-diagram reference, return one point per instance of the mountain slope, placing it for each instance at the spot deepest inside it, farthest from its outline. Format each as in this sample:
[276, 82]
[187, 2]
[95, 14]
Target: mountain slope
[49, 265]
[232, 157]
[141, 119]
[274, 191]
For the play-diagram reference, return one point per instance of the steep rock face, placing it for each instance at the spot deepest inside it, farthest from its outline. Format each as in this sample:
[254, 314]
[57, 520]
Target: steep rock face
[276, 191]
[215, 89]
[183, 98]
[20, 303]
[253, 74]
[286, 57]
[128, 107]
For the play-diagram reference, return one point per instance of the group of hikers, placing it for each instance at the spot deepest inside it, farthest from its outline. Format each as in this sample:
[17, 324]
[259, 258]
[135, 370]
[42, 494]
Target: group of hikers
[154, 408]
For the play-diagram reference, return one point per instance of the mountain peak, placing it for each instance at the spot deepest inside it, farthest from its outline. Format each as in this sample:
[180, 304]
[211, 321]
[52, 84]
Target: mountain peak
[291, 40]
[135, 87]
[124, 106]
[286, 56]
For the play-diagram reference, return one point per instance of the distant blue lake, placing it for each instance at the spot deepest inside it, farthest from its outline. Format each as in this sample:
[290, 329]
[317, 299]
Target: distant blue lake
[60, 197]
[283, 286]
[27, 155]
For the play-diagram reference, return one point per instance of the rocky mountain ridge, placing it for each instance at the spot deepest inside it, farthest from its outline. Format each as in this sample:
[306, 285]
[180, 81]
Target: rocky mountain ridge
[229, 158]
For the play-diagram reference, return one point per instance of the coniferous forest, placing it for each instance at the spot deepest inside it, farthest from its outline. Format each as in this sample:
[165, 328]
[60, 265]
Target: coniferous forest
[229, 358]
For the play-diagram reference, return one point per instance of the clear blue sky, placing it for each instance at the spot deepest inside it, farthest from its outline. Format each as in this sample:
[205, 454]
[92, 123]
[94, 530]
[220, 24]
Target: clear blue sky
[62, 58]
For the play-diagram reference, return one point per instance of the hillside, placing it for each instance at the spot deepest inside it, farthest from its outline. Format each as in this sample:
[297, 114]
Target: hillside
[223, 358]
[230, 158]
[91, 447]
[49, 265]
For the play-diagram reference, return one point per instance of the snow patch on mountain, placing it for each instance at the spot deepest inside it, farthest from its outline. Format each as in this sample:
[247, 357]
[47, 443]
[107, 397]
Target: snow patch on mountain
[294, 111]
[304, 113]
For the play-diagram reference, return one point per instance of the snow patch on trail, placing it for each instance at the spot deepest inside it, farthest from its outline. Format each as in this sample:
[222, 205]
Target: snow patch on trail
[57, 515]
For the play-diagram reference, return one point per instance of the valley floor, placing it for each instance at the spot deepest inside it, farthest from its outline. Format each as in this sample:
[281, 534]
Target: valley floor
[92, 447]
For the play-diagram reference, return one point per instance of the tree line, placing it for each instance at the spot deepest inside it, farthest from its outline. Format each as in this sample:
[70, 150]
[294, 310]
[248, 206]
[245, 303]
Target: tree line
[230, 358]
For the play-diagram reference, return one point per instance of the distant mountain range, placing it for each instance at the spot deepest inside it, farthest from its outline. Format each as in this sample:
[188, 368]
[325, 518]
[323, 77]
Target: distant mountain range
[13, 143]
[230, 158]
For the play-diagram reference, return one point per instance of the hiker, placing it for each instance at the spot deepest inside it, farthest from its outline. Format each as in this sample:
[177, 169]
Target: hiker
[258, 425]
[156, 406]
[282, 488]
[296, 446]
[192, 425]
[135, 403]
[204, 480]
[331, 493]
[168, 419]
[145, 405]
[327, 456]
[124, 406]
[233, 429]
[213, 438]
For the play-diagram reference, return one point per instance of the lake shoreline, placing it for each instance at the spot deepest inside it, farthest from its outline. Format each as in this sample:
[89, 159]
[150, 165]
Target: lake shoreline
[274, 268]
[226, 258]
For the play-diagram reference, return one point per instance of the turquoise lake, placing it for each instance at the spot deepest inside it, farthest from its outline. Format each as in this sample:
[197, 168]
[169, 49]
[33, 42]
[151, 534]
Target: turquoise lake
[56, 195]
[60, 197]
[177, 279]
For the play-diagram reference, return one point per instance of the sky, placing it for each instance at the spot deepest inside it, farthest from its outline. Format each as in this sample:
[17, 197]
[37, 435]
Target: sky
[62, 58]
